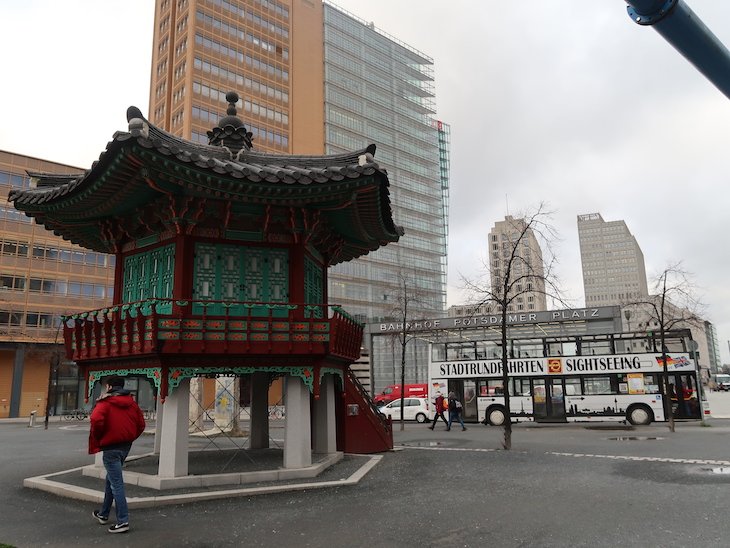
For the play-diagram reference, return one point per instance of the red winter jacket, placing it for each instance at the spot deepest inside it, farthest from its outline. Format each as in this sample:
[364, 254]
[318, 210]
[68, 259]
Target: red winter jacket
[440, 407]
[115, 420]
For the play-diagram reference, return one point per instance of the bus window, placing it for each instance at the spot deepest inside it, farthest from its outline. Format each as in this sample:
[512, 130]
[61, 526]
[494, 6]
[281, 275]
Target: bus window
[528, 348]
[572, 387]
[520, 387]
[562, 348]
[460, 351]
[595, 348]
[628, 345]
[623, 385]
[674, 344]
[597, 385]
[651, 384]
[494, 387]
[438, 352]
[570, 348]
[489, 350]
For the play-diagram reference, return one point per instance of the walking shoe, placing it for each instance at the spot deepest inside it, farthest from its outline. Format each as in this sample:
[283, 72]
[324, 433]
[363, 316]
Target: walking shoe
[119, 528]
[430, 427]
[448, 429]
[463, 429]
[101, 519]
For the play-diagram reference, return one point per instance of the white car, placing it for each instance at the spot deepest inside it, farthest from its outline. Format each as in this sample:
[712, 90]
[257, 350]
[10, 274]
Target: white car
[413, 409]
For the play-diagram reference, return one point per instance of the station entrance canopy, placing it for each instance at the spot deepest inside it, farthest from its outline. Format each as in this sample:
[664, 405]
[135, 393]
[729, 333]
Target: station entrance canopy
[543, 323]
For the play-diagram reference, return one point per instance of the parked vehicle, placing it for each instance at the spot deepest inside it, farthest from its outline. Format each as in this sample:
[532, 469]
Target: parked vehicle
[722, 382]
[416, 409]
[393, 392]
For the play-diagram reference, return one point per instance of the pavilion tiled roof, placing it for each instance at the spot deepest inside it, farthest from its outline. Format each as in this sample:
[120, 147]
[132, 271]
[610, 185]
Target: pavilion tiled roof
[345, 197]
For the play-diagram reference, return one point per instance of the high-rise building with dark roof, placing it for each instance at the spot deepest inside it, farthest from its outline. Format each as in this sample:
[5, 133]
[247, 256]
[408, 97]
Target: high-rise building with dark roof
[612, 262]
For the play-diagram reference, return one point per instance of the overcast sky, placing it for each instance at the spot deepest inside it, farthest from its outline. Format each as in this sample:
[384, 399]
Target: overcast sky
[566, 102]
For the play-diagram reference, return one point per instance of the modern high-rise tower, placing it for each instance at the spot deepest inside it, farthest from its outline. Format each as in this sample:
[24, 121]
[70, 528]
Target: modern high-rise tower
[378, 89]
[503, 238]
[204, 48]
[315, 79]
[612, 262]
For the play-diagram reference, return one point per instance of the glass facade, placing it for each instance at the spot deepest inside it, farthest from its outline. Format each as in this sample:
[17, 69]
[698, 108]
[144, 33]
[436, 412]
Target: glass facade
[379, 90]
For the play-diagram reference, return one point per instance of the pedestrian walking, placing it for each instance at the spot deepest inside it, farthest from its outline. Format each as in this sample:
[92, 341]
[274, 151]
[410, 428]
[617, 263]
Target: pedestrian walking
[440, 408]
[455, 411]
[116, 422]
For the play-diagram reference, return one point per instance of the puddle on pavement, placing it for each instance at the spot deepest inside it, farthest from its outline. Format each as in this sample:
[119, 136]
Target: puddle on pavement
[634, 438]
[723, 470]
[423, 444]
[609, 427]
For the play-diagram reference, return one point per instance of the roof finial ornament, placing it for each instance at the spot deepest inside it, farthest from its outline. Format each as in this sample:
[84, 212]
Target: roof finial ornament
[230, 132]
[232, 98]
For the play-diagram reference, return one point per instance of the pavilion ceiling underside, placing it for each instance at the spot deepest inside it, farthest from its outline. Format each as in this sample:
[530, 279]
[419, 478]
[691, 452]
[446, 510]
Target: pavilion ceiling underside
[341, 221]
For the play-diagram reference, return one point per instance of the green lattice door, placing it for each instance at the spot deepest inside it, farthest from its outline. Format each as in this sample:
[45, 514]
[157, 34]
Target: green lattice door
[266, 279]
[235, 274]
[313, 288]
[162, 273]
[133, 286]
[230, 269]
[205, 279]
[149, 274]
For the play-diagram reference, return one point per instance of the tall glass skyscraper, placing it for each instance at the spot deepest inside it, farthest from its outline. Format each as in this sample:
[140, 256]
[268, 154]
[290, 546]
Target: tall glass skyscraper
[379, 90]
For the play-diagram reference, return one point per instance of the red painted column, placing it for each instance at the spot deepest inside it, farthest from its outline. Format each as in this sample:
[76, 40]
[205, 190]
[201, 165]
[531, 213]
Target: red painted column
[118, 278]
[296, 277]
[182, 285]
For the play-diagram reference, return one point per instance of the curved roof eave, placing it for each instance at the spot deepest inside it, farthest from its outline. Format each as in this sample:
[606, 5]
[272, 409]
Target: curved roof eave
[63, 200]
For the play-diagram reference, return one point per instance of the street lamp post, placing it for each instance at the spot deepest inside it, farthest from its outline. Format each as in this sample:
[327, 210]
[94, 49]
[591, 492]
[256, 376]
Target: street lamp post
[52, 371]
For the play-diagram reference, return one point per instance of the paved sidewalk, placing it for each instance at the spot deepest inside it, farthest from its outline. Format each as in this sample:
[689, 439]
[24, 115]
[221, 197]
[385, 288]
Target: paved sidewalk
[212, 474]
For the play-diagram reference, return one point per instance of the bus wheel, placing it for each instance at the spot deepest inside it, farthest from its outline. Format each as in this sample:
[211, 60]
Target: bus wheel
[639, 414]
[421, 418]
[495, 416]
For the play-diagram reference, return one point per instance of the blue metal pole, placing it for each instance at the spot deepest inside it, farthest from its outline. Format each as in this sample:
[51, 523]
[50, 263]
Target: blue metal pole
[679, 26]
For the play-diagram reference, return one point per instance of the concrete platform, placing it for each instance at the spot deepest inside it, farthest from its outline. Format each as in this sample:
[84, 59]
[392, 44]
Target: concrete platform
[214, 474]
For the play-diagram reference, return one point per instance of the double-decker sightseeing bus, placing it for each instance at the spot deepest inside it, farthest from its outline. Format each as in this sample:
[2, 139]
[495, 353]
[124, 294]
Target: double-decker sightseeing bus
[610, 377]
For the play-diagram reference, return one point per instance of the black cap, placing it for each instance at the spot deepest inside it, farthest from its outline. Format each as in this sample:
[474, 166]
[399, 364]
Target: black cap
[115, 382]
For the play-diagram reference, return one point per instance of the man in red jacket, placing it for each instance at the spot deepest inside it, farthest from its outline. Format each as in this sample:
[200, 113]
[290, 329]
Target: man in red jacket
[440, 408]
[116, 422]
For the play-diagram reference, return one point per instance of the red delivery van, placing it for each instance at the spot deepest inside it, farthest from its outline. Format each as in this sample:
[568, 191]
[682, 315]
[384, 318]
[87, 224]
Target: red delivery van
[393, 392]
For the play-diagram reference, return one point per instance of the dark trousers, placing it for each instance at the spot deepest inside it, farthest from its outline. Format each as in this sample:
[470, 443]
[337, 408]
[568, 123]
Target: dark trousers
[453, 417]
[436, 418]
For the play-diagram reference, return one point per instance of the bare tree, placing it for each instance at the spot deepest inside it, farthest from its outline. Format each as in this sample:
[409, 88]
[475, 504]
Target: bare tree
[520, 270]
[408, 300]
[672, 305]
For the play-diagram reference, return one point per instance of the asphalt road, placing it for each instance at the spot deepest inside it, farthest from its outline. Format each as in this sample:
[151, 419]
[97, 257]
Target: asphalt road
[561, 485]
